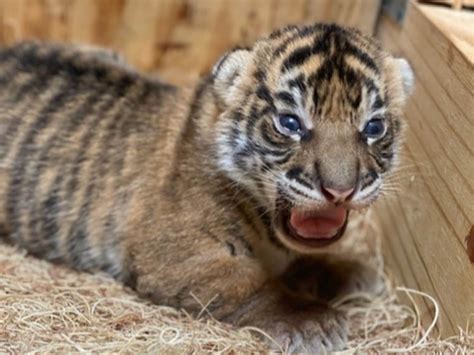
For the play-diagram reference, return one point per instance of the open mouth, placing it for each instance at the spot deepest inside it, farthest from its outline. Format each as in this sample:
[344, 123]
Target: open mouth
[316, 228]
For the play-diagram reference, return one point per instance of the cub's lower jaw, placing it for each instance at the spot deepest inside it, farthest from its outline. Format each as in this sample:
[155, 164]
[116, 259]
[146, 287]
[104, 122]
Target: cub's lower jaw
[310, 231]
[289, 232]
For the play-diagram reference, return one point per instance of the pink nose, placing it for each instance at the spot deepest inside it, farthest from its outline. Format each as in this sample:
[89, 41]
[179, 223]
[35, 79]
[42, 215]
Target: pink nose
[337, 194]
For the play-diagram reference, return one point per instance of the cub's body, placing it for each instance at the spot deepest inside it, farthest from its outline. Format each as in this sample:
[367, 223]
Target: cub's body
[105, 169]
[76, 133]
[171, 190]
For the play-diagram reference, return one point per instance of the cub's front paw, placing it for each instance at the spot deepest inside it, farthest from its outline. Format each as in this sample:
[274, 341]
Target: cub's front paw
[328, 278]
[354, 276]
[307, 331]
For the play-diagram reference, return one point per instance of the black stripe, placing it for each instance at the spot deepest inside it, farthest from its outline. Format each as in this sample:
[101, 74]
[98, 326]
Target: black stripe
[79, 226]
[35, 86]
[89, 136]
[100, 166]
[62, 134]
[368, 179]
[56, 201]
[255, 117]
[12, 55]
[378, 103]
[285, 159]
[6, 76]
[252, 119]
[77, 250]
[297, 57]
[299, 83]
[298, 192]
[23, 158]
[50, 206]
[301, 33]
[378, 161]
[267, 222]
[323, 73]
[267, 151]
[77, 235]
[237, 236]
[304, 183]
[361, 56]
[195, 108]
[370, 84]
[263, 93]
[295, 174]
[110, 239]
[268, 139]
[286, 97]
[302, 54]
[237, 116]
[350, 76]
[260, 75]
[387, 154]
[49, 227]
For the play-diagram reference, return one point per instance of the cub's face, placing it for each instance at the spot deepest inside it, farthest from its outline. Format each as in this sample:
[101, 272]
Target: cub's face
[310, 125]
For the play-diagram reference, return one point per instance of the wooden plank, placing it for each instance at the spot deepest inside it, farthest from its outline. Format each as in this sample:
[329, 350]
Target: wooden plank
[11, 16]
[458, 26]
[456, 4]
[458, 87]
[455, 59]
[445, 120]
[172, 36]
[426, 223]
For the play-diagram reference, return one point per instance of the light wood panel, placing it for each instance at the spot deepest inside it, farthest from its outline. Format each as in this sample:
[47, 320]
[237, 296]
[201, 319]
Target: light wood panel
[456, 4]
[458, 26]
[427, 222]
[172, 36]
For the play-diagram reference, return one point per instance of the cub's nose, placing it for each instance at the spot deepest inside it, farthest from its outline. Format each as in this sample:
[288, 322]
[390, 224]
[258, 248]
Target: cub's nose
[337, 195]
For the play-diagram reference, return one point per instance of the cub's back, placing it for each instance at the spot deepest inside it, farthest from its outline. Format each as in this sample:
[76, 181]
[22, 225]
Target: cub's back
[75, 128]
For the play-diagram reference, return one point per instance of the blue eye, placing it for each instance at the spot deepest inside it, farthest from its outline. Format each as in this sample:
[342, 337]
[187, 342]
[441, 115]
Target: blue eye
[290, 123]
[375, 128]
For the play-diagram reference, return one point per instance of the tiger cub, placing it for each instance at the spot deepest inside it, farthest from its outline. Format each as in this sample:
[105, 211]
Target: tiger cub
[235, 192]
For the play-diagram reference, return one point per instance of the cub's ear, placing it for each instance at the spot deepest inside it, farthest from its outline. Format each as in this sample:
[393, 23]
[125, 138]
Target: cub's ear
[401, 79]
[408, 78]
[227, 73]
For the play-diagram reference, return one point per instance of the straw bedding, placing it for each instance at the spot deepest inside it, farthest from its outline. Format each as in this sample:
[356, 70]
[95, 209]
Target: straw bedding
[49, 308]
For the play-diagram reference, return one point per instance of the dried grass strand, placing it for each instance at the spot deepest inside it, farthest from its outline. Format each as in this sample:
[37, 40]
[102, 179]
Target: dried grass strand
[46, 308]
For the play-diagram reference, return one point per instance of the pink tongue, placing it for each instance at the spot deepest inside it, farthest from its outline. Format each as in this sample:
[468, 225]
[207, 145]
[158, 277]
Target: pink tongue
[318, 225]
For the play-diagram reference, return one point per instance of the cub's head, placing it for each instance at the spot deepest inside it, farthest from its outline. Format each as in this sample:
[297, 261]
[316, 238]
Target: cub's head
[311, 124]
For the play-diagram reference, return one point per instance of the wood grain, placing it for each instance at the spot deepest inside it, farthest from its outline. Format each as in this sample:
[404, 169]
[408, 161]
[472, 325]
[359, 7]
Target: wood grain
[178, 38]
[456, 4]
[458, 26]
[426, 223]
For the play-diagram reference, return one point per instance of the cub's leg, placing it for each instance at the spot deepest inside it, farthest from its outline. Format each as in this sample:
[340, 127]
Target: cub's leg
[327, 278]
[234, 288]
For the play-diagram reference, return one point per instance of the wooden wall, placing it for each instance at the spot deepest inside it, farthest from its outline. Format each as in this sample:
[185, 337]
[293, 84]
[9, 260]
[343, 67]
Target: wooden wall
[427, 222]
[172, 36]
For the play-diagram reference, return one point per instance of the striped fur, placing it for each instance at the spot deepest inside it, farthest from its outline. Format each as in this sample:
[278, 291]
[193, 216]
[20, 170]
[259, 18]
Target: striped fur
[334, 79]
[68, 118]
[177, 191]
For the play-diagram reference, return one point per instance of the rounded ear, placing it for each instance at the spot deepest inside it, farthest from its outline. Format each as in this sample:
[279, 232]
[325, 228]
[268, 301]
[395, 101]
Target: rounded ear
[408, 78]
[227, 73]
[400, 78]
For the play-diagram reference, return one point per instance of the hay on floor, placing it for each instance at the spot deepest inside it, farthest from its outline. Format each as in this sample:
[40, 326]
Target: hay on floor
[50, 308]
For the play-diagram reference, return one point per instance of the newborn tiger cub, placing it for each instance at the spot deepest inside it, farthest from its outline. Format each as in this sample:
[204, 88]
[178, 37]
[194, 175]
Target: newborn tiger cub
[235, 192]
